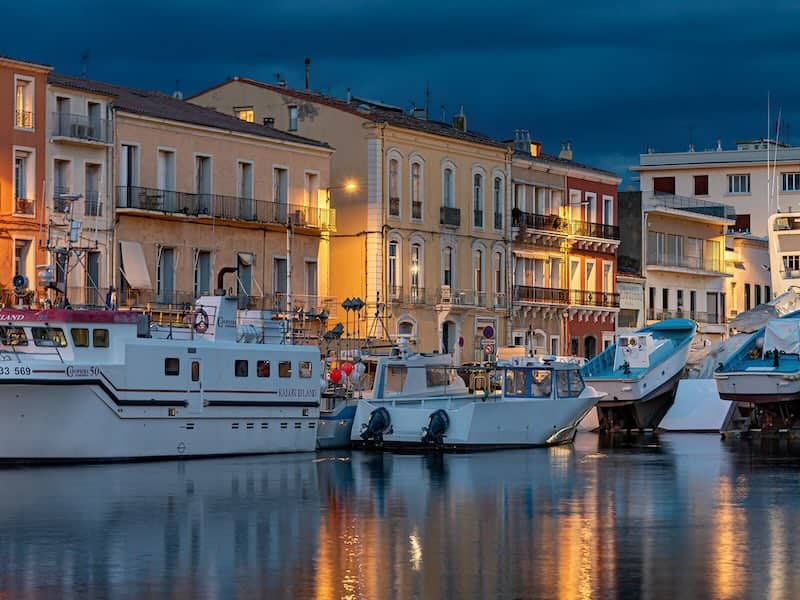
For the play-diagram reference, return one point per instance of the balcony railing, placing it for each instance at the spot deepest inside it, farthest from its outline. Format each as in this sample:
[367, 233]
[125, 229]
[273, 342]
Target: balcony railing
[559, 224]
[307, 303]
[416, 295]
[394, 207]
[23, 206]
[450, 216]
[696, 263]
[590, 298]
[92, 206]
[541, 295]
[23, 118]
[395, 293]
[701, 317]
[60, 204]
[462, 297]
[695, 205]
[477, 216]
[86, 296]
[416, 210]
[226, 207]
[498, 220]
[81, 127]
[131, 297]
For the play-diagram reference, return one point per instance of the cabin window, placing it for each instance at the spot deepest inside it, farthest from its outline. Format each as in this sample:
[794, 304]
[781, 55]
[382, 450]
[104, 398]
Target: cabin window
[395, 378]
[195, 370]
[13, 336]
[516, 384]
[570, 383]
[172, 367]
[305, 369]
[240, 368]
[563, 383]
[541, 382]
[80, 337]
[262, 368]
[100, 338]
[285, 368]
[437, 376]
[49, 336]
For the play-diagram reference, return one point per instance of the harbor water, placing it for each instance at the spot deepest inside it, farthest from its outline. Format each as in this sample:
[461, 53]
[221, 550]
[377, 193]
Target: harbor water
[673, 516]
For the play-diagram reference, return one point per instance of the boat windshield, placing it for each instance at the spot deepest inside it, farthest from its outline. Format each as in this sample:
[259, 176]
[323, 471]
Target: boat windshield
[528, 382]
[570, 383]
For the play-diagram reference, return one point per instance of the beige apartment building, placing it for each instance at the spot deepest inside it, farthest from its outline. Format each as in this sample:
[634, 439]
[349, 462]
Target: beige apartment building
[422, 240]
[195, 191]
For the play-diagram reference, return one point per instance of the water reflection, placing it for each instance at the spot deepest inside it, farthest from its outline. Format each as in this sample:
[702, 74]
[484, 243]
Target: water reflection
[652, 517]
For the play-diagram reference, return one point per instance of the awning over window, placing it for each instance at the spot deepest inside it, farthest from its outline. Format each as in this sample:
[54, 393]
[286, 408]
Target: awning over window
[134, 267]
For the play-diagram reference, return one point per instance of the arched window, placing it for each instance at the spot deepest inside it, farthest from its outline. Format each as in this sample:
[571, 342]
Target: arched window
[448, 193]
[393, 270]
[477, 200]
[405, 329]
[497, 196]
[416, 291]
[416, 190]
[394, 187]
[499, 280]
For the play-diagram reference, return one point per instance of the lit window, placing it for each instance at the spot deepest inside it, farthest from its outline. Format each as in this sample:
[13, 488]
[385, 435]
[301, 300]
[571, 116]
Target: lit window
[245, 113]
[100, 338]
[305, 369]
[80, 337]
[285, 368]
[262, 368]
[23, 104]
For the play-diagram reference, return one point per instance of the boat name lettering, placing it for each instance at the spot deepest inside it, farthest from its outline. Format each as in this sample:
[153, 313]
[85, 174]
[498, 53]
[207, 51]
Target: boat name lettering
[225, 322]
[15, 370]
[296, 393]
[11, 317]
[82, 371]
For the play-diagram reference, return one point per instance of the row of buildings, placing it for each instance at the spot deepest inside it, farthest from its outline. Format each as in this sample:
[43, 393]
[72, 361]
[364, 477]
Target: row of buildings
[458, 241]
[451, 238]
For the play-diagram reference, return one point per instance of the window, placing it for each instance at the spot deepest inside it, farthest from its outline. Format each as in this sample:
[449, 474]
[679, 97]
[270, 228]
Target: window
[394, 187]
[499, 289]
[738, 184]
[447, 266]
[305, 369]
[24, 182]
[393, 279]
[292, 118]
[608, 210]
[791, 263]
[477, 200]
[13, 336]
[701, 185]
[416, 190]
[80, 337]
[245, 189]
[747, 305]
[195, 370]
[767, 293]
[244, 276]
[203, 182]
[310, 191]
[62, 170]
[285, 368]
[570, 383]
[395, 378]
[91, 194]
[172, 367]
[262, 368]
[23, 103]
[245, 113]
[165, 275]
[280, 193]
[438, 376]
[497, 196]
[791, 182]
[23, 257]
[516, 382]
[758, 294]
[416, 265]
[311, 280]
[541, 382]
[279, 276]
[405, 328]
[664, 185]
[240, 368]
[100, 338]
[651, 299]
[49, 336]
[477, 282]
[202, 273]
[447, 188]
[128, 176]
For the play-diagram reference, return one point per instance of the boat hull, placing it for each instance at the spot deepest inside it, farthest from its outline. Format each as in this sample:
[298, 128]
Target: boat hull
[334, 428]
[476, 425]
[79, 423]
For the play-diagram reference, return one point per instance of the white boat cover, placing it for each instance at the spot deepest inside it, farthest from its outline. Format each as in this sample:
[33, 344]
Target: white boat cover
[783, 335]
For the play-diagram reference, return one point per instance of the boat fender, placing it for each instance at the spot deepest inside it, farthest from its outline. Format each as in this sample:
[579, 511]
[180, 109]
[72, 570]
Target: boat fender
[379, 422]
[438, 423]
[200, 320]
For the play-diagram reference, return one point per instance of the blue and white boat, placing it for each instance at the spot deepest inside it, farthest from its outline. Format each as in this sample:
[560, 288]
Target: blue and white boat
[639, 375]
[763, 379]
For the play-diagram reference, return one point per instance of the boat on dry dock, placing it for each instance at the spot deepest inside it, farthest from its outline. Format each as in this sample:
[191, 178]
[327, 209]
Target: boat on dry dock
[89, 385]
[422, 402]
[639, 374]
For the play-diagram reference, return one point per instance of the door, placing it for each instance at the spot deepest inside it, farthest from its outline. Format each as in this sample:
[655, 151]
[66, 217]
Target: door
[195, 395]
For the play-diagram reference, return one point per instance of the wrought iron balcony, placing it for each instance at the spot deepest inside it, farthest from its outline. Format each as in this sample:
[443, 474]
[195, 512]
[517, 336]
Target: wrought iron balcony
[394, 207]
[81, 127]
[498, 220]
[691, 204]
[540, 295]
[563, 225]
[591, 298]
[450, 216]
[416, 295]
[231, 208]
[23, 119]
[595, 230]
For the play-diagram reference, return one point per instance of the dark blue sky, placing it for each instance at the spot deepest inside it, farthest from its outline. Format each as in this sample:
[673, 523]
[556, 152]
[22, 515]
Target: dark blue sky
[613, 77]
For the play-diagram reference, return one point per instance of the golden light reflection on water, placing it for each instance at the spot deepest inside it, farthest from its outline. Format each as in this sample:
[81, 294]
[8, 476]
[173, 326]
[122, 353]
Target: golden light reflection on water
[730, 526]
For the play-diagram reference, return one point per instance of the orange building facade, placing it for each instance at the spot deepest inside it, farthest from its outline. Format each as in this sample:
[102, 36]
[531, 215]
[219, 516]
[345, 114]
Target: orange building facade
[23, 94]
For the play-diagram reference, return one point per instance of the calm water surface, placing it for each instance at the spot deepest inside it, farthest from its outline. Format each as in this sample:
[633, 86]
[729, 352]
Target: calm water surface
[678, 516]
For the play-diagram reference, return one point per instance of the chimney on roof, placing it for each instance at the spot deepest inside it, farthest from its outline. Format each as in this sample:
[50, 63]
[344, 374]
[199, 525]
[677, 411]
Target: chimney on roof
[460, 120]
[349, 96]
[522, 141]
[307, 63]
[566, 150]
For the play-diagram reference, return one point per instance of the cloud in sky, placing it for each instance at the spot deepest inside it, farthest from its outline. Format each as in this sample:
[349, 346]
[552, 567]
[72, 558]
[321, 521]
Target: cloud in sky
[614, 77]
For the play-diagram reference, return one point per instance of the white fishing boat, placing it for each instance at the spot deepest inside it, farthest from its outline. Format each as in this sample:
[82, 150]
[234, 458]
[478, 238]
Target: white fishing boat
[421, 401]
[97, 385]
[639, 374]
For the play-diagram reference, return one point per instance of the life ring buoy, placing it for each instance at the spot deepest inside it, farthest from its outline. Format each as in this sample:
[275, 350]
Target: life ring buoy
[200, 321]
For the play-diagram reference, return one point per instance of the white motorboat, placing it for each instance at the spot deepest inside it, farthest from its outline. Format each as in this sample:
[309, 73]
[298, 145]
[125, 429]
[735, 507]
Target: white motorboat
[639, 374]
[421, 401]
[88, 385]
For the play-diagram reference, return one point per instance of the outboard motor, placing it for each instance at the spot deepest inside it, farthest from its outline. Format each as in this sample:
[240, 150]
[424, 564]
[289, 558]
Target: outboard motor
[379, 423]
[438, 423]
